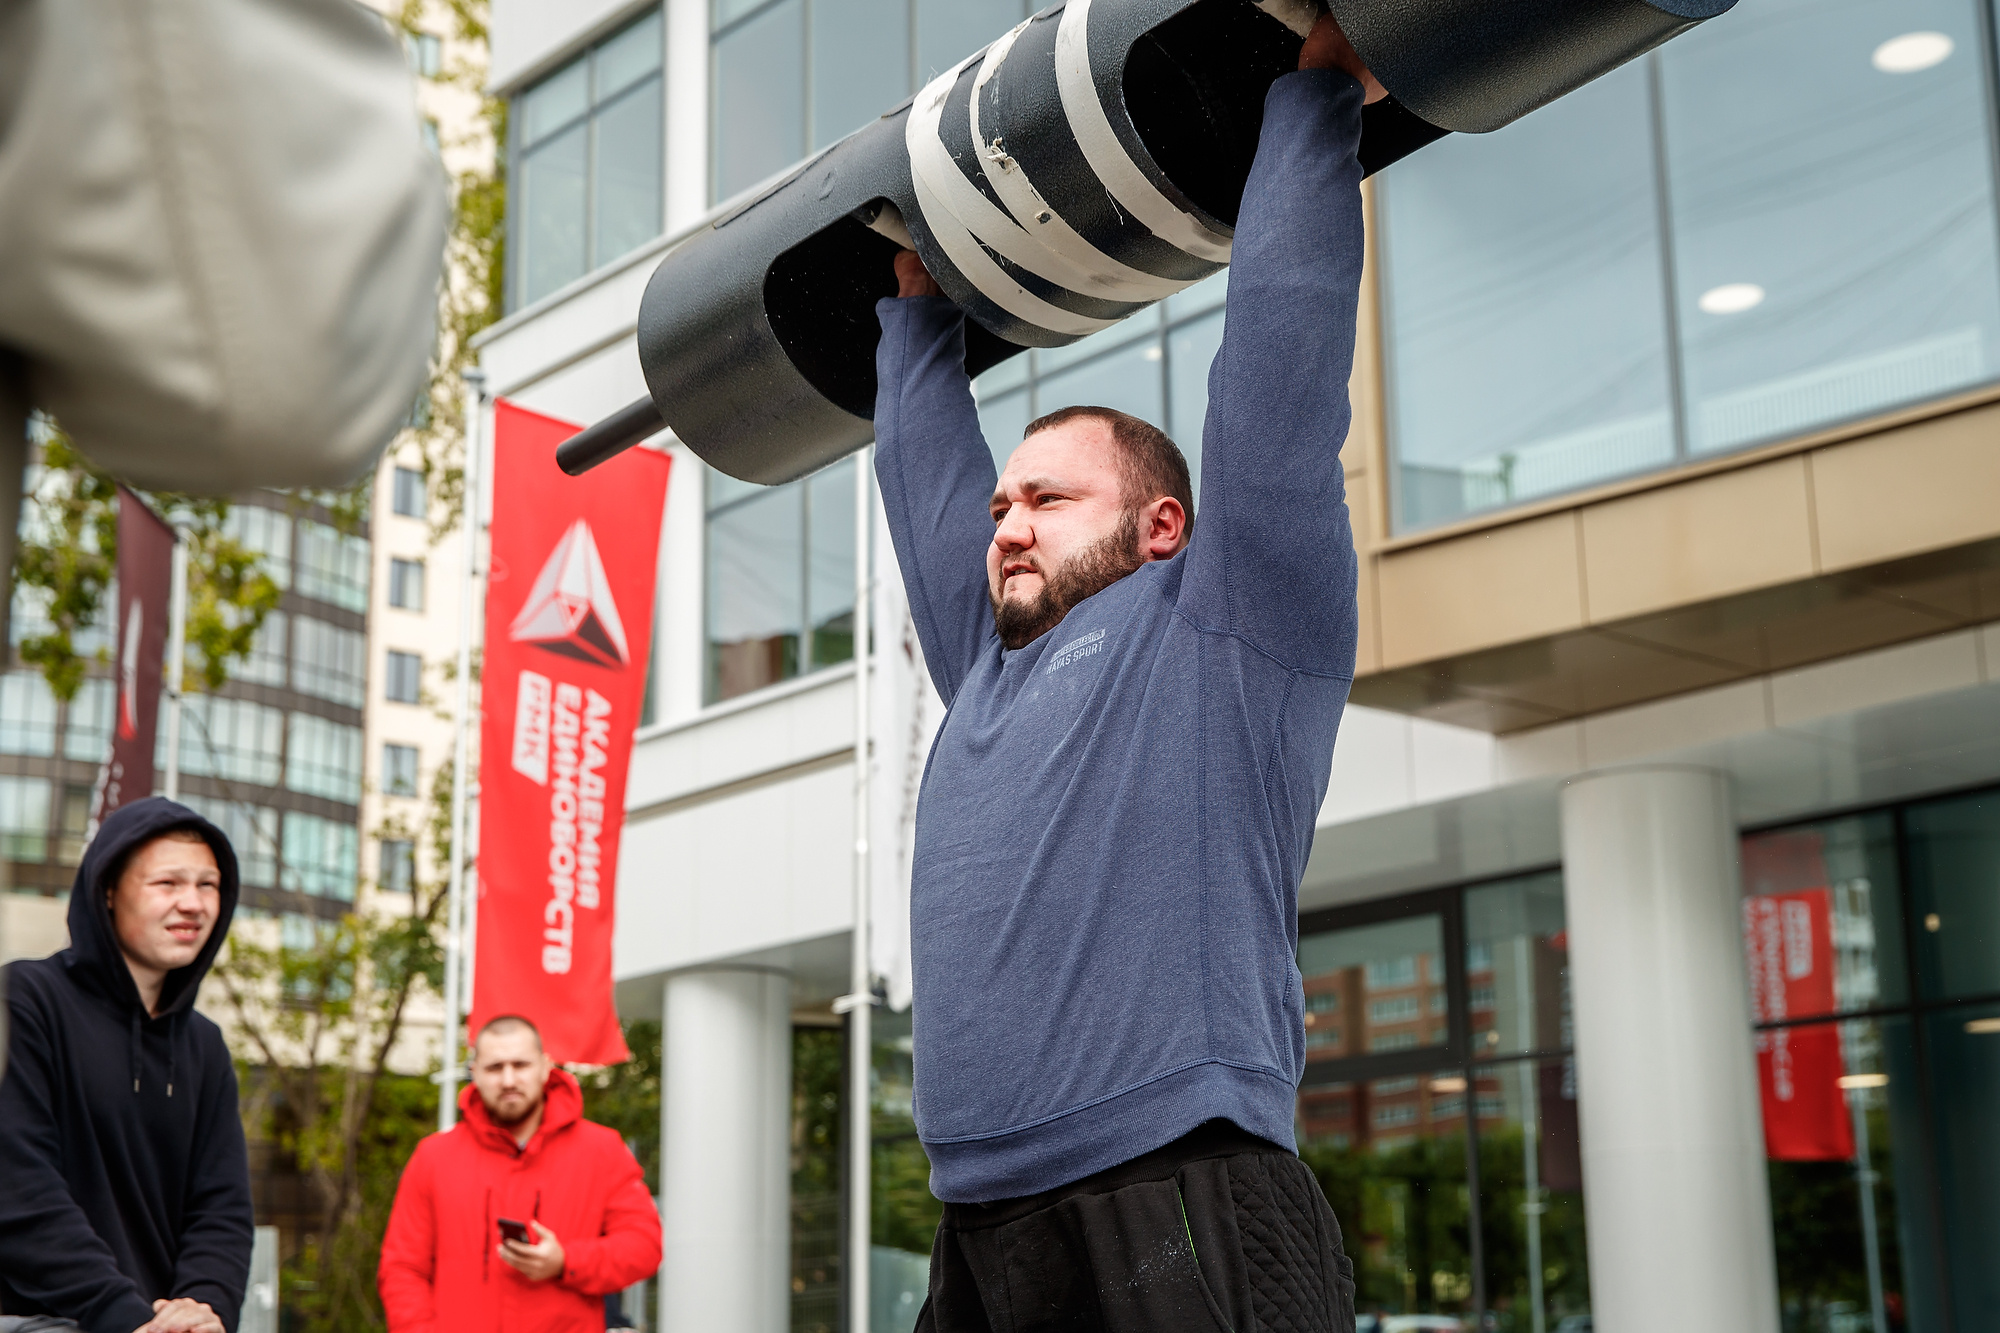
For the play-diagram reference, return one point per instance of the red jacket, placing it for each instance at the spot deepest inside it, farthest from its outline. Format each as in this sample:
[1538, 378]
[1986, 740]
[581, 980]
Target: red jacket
[439, 1268]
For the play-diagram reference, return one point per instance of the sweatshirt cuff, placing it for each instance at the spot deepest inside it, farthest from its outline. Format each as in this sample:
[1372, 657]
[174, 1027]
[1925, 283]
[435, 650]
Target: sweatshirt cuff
[127, 1313]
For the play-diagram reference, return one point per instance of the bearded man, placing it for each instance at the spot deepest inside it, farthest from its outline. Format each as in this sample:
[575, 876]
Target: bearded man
[1140, 727]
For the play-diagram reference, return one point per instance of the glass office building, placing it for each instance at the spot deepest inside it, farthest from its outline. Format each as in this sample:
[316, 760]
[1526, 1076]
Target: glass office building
[1774, 233]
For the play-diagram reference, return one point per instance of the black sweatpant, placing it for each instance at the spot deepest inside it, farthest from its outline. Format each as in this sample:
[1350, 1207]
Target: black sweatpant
[1218, 1232]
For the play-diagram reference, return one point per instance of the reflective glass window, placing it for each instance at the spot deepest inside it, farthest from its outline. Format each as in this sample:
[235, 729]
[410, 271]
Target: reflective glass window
[950, 30]
[1822, 919]
[830, 564]
[320, 856]
[87, 725]
[589, 162]
[1517, 967]
[860, 63]
[1531, 1194]
[24, 818]
[1390, 1154]
[408, 497]
[1127, 380]
[1955, 892]
[1368, 988]
[1525, 310]
[759, 115]
[323, 758]
[27, 714]
[1832, 206]
[1771, 225]
[756, 603]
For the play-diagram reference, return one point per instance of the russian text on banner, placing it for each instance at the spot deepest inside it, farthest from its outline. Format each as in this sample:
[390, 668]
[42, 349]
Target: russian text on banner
[569, 627]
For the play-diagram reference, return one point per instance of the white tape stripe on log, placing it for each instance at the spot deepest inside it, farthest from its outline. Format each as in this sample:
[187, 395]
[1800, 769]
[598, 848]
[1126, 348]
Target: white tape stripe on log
[932, 179]
[1107, 157]
[1084, 268]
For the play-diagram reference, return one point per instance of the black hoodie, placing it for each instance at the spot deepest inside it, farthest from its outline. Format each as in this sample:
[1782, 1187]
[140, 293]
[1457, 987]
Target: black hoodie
[123, 1175]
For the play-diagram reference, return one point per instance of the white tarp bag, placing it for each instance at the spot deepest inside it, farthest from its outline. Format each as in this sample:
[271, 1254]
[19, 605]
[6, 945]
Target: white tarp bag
[220, 234]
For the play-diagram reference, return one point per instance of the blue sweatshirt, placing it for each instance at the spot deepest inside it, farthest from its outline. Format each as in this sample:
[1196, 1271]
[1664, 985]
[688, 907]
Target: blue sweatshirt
[1115, 817]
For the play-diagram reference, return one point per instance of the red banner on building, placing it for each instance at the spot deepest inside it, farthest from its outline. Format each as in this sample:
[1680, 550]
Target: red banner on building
[569, 626]
[145, 587]
[1788, 938]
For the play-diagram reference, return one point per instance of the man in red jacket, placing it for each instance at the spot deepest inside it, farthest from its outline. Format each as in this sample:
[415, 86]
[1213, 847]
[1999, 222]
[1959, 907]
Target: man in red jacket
[522, 1151]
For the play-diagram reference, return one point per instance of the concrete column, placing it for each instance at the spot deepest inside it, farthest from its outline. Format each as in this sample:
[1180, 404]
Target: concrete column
[1677, 1204]
[725, 1152]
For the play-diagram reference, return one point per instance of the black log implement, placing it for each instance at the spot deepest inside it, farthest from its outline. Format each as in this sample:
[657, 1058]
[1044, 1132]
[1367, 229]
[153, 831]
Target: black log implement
[1084, 166]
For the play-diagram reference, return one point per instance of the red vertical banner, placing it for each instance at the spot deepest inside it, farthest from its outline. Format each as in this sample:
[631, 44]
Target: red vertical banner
[145, 589]
[569, 626]
[1788, 938]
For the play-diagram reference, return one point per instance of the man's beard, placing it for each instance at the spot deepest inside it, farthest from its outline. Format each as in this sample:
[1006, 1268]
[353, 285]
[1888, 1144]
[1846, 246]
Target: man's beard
[528, 1108]
[1088, 572]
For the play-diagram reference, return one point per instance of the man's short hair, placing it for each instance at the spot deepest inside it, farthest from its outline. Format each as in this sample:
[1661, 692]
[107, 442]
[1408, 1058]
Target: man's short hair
[1150, 464]
[507, 1023]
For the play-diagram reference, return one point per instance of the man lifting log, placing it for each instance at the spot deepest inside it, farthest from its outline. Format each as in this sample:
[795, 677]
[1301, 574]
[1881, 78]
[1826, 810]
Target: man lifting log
[1109, 1031]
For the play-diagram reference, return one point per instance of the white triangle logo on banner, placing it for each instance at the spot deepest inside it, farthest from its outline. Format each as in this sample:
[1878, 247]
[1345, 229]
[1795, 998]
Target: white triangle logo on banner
[571, 610]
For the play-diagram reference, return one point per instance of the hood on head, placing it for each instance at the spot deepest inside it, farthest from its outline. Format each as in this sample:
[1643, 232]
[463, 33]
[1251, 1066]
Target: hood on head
[93, 941]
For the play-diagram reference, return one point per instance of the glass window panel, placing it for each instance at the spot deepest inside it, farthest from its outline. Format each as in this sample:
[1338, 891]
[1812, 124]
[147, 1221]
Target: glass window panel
[728, 11]
[331, 663]
[24, 818]
[27, 714]
[552, 207]
[1517, 967]
[1191, 350]
[1050, 359]
[87, 729]
[399, 865]
[1009, 374]
[1524, 309]
[1822, 918]
[830, 556]
[399, 769]
[1368, 988]
[1003, 421]
[1531, 1195]
[554, 102]
[628, 57]
[1833, 222]
[629, 190]
[1390, 1156]
[1839, 1230]
[333, 565]
[267, 532]
[760, 108]
[232, 739]
[1964, 1049]
[403, 677]
[1129, 380]
[756, 567]
[408, 497]
[252, 831]
[861, 63]
[320, 856]
[1955, 895]
[266, 663]
[724, 489]
[406, 584]
[950, 30]
[1204, 295]
[323, 758]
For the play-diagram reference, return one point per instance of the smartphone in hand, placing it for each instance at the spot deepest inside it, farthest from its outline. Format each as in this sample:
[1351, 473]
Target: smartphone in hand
[512, 1230]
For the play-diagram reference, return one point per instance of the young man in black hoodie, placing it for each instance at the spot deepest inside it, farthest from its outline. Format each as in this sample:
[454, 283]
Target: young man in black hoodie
[124, 1185]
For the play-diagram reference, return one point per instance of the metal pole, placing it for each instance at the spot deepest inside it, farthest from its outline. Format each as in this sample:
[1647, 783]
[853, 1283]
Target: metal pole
[176, 662]
[461, 782]
[859, 1003]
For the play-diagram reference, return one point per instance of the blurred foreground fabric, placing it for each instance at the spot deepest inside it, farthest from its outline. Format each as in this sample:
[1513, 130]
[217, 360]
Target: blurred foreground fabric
[220, 234]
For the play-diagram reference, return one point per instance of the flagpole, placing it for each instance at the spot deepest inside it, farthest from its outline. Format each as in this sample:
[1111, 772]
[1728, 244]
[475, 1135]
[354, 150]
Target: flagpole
[176, 662]
[454, 940]
[859, 1002]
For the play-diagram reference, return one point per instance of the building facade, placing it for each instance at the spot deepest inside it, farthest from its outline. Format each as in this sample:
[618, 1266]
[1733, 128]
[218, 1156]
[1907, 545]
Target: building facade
[1649, 931]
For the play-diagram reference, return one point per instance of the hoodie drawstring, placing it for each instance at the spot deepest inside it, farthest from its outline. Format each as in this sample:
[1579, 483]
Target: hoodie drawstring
[134, 1051]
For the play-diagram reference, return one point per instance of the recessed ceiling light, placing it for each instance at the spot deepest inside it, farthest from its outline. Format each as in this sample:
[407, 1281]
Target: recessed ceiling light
[1911, 52]
[1983, 1027]
[1448, 1084]
[1153, 353]
[1863, 1080]
[1731, 298]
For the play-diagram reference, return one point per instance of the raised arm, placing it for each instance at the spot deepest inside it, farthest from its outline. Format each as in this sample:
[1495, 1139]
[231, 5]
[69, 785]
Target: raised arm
[936, 475]
[1273, 554]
